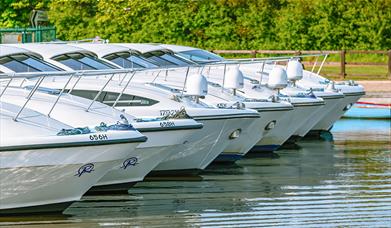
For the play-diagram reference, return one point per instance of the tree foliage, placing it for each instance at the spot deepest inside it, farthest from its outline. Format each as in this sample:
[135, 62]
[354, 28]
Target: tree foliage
[218, 24]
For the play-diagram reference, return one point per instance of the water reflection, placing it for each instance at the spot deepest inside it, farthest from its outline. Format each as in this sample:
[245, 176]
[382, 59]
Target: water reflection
[344, 182]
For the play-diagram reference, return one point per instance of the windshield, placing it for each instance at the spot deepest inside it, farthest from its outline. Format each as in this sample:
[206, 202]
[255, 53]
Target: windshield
[200, 56]
[163, 59]
[26, 63]
[129, 60]
[80, 61]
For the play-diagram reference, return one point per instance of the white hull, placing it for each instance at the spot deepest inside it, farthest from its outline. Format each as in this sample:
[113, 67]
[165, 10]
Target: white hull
[199, 150]
[284, 128]
[306, 122]
[326, 123]
[135, 167]
[148, 156]
[257, 132]
[50, 176]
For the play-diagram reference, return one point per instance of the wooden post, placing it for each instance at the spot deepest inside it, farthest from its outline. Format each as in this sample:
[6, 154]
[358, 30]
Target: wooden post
[389, 64]
[343, 63]
[254, 54]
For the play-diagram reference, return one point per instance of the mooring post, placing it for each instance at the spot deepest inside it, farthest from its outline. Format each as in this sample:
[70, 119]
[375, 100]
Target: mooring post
[343, 63]
[389, 64]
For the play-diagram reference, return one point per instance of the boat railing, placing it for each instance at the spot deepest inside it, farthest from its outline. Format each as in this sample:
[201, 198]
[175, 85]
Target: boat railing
[124, 73]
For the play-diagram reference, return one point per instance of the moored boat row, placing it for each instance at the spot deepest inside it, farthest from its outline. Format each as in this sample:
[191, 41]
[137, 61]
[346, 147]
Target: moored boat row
[100, 117]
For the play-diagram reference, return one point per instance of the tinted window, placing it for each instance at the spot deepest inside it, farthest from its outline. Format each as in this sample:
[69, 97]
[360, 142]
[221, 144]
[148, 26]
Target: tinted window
[109, 98]
[200, 55]
[155, 58]
[175, 60]
[16, 65]
[141, 61]
[72, 63]
[25, 63]
[78, 61]
[122, 60]
[41, 66]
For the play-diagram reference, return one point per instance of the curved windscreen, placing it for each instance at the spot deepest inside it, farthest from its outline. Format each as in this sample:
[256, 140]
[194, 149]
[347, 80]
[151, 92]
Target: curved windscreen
[81, 61]
[129, 60]
[200, 56]
[161, 58]
[26, 63]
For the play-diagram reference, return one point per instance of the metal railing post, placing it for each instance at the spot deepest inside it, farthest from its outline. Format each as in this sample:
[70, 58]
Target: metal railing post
[225, 69]
[5, 88]
[123, 90]
[263, 68]
[40, 80]
[389, 64]
[74, 85]
[184, 84]
[343, 63]
[316, 62]
[321, 65]
[59, 95]
[100, 92]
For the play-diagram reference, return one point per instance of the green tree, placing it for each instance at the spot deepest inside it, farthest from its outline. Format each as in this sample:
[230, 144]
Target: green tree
[17, 13]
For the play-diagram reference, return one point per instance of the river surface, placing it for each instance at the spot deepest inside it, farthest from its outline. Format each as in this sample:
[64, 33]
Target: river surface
[341, 180]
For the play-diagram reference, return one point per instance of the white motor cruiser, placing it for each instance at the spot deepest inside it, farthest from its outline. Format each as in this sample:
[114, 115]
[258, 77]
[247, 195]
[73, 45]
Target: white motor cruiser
[274, 112]
[46, 165]
[166, 136]
[330, 91]
[221, 126]
[270, 112]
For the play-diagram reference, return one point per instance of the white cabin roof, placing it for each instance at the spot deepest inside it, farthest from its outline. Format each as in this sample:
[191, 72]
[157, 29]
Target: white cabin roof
[6, 50]
[50, 50]
[143, 48]
[101, 50]
[177, 48]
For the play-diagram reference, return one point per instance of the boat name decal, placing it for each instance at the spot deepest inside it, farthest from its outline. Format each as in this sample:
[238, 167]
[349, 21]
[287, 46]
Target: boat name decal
[87, 168]
[133, 161]
[168, 112]
[98, 137]
[167, 124]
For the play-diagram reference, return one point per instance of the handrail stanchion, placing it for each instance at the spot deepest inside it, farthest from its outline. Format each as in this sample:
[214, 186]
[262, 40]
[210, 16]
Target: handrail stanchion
[100, 92]
[184, 84]
[321, 65]
[123, 90]
[263, 68]
[6, 86]
[166, 74]
[59, 95]
[40, 80]
[225, 69]
[123, 79]
[316, 62]
[74, 85]
[157, 75]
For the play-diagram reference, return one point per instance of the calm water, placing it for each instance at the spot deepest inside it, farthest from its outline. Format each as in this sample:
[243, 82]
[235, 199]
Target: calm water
[345, 182]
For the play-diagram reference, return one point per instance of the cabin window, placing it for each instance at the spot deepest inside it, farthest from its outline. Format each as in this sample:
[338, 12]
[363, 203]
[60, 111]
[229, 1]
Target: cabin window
[79, 61]
[72, 63]
[200, 55]
[122, 60]
[155, 58]
[176, 60]
[25, 63]
[109, 98]
[141, 61]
